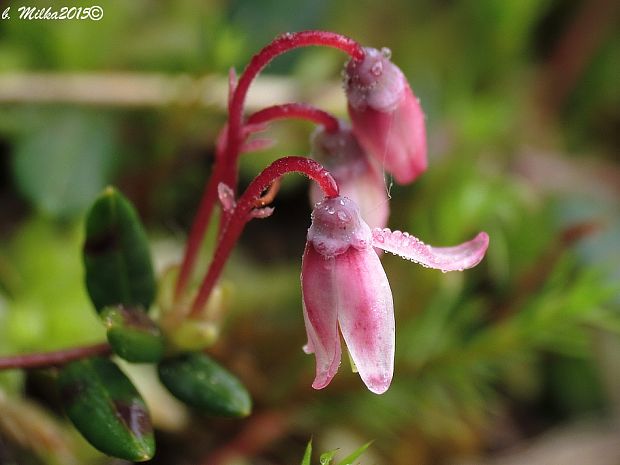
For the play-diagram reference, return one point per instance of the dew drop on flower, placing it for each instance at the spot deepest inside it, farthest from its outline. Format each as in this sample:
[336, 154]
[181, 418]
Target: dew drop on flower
[377, 69]
[386, 52]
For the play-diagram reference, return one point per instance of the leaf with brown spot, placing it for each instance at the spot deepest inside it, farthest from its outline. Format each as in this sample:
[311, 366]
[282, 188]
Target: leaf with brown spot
[106, 409]
[116, 254]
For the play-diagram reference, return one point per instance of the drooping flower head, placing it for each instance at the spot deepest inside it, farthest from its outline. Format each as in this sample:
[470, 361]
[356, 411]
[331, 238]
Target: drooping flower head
[387, 118]
[344, 286]
[357, 177]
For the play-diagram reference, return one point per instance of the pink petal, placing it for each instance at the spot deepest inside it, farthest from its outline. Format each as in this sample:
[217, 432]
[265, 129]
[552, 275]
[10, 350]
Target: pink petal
[387, 118]
[367, 190]
[396, 139]
[458, 258]
[357, 176]
[366, 315]
[320, 297]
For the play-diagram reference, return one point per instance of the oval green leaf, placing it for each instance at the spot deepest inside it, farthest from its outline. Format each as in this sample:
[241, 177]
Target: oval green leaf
[197, 380]
[107, 409]
[116, 254]
[133, 335]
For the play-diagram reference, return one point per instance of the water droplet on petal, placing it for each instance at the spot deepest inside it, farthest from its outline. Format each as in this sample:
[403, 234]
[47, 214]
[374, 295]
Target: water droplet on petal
[377, 69]
[386, 52]
[343, 216]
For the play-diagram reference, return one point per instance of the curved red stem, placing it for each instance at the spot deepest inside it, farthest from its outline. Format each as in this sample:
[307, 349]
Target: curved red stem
[226, 163]
[295, 110]
[278, 46]
[241, 214]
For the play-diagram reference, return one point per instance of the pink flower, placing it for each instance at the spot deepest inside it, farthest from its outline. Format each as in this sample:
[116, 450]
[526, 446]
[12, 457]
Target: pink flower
[356, 176]
[344, 285]
[386, 116]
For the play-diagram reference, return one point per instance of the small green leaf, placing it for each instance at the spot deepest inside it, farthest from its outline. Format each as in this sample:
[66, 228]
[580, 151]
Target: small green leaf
[355, 455]
[307, 454]
[133, 335]
[107, 409]
[116, 254]
[327, 457]
[200, 382]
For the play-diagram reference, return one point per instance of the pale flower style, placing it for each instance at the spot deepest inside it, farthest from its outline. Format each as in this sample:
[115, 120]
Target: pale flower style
[357, 177]
[387, 118]
[344, 285]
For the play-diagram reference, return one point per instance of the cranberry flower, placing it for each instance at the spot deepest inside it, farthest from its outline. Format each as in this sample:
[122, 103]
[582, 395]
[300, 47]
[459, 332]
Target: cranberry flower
[344, 286]
[386, 116]
[357, 177]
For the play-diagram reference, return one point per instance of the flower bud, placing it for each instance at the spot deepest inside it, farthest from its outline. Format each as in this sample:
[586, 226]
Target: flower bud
[386, 116]
[354, 172]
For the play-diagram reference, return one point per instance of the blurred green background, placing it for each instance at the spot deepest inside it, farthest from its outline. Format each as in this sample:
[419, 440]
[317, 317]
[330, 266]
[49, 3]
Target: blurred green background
[515, 361]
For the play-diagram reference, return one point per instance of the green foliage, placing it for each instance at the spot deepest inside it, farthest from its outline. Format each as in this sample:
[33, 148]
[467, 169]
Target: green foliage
[199, 381]
[327, 457]
[63, 159]
[116, 254]
[133, 335]
[107, 409]
[526, 323]
[46, 299]
[307, 454]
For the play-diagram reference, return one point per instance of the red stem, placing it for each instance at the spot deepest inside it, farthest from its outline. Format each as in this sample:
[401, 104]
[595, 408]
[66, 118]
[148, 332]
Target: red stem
[241, 214]
[278, 46]
[196, 235]
[295, 110]
[59, 357]
[226, 163]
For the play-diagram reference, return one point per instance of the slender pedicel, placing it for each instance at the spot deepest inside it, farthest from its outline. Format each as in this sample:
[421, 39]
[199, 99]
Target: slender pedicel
[225, 169]
[295, 110]
[246, 203]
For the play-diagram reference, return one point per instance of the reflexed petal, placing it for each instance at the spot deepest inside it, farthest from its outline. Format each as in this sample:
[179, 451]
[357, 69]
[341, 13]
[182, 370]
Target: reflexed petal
[319, 292]
[458, 258]
[366, 315]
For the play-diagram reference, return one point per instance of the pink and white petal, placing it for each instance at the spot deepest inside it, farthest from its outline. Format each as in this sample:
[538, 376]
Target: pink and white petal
[366, 316]
[367, 190]
[319, 292]
[457, 258]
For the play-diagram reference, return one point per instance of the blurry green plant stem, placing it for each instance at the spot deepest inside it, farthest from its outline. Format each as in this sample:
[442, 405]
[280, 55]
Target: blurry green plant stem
[227, 156]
